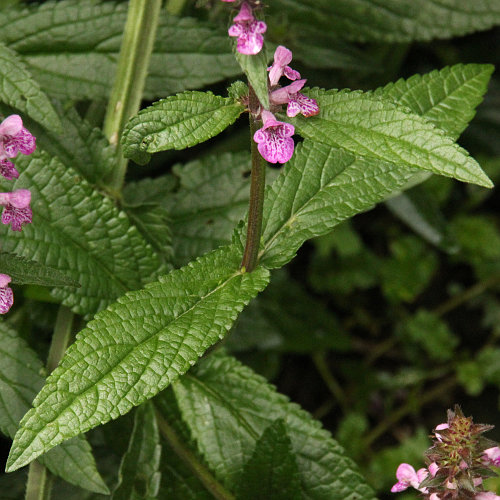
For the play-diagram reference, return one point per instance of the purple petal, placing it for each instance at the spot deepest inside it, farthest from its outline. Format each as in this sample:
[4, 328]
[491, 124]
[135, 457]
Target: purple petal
[399, 486]
[20, 198]
[11, 125]
[23, 141]
[290, 73]
[245, 14]
[6, 299]
[306, 105]
[5, 279]
[250, 44]
[16, 217]
[8, 170]
[276, 147]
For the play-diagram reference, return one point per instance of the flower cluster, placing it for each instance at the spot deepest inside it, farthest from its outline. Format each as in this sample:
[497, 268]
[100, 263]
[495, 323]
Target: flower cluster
[274, 139]
[458, 462]
[14, 139]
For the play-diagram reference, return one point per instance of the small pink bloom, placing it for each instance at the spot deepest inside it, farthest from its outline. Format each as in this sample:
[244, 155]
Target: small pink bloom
[282, 57]
[434, 497]
[297, 102]
[6, 295]
[492, 456]
[487, 495]
[433, 468]
[248, 31]
[17, 210]
[274, 139]
[477, 481]
[463, 465]
[407, 477]
[14, 138]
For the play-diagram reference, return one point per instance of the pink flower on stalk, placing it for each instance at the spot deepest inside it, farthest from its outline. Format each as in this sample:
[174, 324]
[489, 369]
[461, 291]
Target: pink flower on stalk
[492, 456]
[274, 139]
[282, 57]
[297, 102]
[248, 30]
[407, 477]
[433, 468]
[17, 210]
[6, 295]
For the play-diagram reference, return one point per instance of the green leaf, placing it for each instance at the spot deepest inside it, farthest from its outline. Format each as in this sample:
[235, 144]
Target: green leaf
[271, 471]
[20, 379]
[178, 122]
[431, 333]
[211, 199]
[255, 69]
[318, 188]
[391, 20]
[228, 407]
[24, 271]
[269, 323]
[19, 90]
[379, 129]
[72, 48]
[448, 97]
[81, 233]
[139, 476]
[136, 348]
[82, 146]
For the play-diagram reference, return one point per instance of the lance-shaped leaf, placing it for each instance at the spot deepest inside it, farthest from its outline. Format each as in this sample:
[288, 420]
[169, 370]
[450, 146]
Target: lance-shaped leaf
[272, 471]
[391, 20]
[136, 348]
[19, 90]
[80, 232]
[24, 271]
[72, 48]
[377, 128]
[318, 188]
[178, 122]
[20, 379]
[139, 476]
[228, 408]
[448, 97]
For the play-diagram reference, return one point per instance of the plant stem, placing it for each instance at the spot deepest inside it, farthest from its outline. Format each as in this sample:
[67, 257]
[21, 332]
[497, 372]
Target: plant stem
[39, 482]
[257, 185]
[175, 7]
[39, 479]
[187, 456]
[330, 381]
[131, 72]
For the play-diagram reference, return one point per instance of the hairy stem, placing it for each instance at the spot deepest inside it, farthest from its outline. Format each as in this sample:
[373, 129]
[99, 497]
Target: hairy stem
[257, 185]
[39, 479]
[187, 456]
[133, 63]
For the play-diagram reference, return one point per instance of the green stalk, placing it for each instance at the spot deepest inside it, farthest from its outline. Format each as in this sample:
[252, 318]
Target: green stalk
[187, 456]
[257, 186]
[133, 63]
[175, 7]
[39, 482]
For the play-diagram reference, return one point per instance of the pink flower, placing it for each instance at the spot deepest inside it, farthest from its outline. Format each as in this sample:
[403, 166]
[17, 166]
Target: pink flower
[492, 456]
[17, 210]
[487, 495]
[433, 468]
[434, 497]
[440, 427]
[282, 57]
[14, 138]
[407, 477]
[297, 102]
[274, 139]
[6, 295]
[248, 30]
